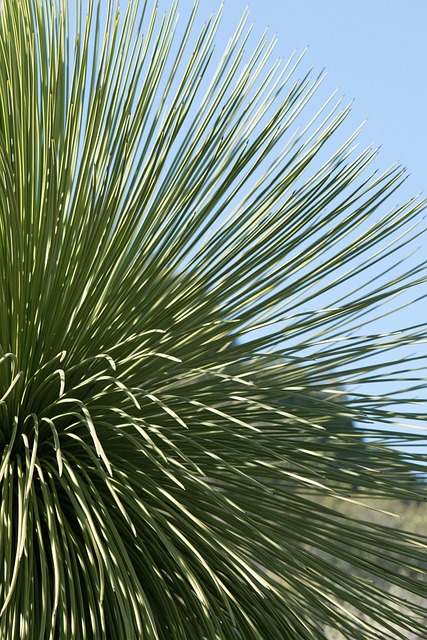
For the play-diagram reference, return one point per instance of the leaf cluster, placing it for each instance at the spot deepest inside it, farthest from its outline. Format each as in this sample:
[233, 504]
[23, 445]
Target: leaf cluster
[186, 284]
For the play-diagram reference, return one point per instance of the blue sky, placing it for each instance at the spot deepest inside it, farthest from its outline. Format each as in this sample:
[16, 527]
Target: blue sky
[374, 51]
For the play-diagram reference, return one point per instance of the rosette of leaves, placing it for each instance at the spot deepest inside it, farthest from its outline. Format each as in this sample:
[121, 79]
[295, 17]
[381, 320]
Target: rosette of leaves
[183, 275]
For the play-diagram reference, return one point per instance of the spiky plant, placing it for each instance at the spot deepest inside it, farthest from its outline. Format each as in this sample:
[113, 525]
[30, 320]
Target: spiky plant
[162, 463]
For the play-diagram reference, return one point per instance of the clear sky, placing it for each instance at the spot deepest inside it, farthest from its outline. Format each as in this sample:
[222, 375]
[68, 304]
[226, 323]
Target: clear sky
[375, 51]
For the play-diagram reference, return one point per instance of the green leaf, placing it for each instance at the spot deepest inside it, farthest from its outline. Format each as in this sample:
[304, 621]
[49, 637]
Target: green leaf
[195, 270]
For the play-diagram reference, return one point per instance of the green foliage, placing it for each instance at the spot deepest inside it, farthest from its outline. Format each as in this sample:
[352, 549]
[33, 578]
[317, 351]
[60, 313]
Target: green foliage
[163, 464]
[398, 514]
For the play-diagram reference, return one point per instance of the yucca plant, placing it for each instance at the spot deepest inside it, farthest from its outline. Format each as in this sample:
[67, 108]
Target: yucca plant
[187, 282]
